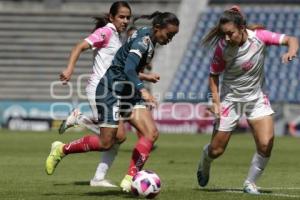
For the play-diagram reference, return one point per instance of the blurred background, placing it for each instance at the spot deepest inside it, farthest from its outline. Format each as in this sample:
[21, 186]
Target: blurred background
[36, 38]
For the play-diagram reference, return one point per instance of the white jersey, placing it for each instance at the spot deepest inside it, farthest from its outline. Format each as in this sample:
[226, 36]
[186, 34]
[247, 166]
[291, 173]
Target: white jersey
[242, 67]
[105, 42]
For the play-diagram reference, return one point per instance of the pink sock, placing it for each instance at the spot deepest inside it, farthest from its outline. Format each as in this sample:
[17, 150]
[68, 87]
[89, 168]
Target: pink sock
[87, 143]
[140, 155]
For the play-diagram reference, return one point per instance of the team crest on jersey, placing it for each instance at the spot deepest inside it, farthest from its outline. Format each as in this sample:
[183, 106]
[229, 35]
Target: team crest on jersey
[102, 35]
[146, 41]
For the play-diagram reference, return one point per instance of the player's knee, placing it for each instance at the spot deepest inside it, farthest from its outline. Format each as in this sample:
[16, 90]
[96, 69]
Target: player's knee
[152, 135]
[106, 144]
[265, 148]
[215, 152]
[121, 138]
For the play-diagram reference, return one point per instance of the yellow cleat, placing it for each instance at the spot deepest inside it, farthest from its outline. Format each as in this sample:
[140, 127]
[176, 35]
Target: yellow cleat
[126, 183]
[54, 157]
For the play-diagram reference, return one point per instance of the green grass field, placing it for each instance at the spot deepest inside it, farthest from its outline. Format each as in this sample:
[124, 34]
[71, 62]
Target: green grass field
[23, 154]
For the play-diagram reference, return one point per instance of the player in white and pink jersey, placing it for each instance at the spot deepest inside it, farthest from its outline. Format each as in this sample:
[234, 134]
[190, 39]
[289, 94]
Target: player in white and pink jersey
[239, 56]
[105, 42]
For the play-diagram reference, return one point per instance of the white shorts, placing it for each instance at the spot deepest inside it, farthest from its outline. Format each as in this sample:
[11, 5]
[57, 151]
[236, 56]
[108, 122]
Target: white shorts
[91, 96]
[231, 112]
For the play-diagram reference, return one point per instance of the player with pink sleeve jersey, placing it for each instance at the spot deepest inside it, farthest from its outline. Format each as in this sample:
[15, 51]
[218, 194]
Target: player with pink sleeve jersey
[239, 57]
[105, 42]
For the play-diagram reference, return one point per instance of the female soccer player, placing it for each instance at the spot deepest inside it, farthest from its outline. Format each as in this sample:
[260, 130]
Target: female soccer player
[121, 92]
[105, 41]
[239, 55]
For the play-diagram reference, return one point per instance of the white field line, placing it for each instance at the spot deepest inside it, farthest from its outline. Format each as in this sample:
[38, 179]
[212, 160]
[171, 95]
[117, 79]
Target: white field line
[279, 188]
[268, 194]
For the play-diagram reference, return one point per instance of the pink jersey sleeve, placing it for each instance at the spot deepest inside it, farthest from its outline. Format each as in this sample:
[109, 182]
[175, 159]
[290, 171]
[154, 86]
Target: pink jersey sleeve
[218, 64]
[100, 37]
[268, 37]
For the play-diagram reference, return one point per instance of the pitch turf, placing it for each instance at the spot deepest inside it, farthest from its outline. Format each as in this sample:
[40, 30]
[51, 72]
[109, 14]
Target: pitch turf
[22, 175]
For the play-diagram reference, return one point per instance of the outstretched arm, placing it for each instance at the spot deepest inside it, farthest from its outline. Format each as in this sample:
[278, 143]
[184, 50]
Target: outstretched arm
[66, 74]
[293, 46]
[151, 77]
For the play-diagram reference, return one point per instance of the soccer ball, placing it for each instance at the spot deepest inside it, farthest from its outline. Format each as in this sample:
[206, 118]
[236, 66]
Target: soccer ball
[146, 184]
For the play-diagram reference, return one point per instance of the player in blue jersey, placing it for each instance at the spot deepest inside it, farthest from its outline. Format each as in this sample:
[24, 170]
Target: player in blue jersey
[120, 93]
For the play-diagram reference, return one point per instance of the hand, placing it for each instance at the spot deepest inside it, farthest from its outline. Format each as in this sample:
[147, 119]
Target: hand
[287, 57]
[154, 77]
[65, 76]
[148, 97]
[215, 109]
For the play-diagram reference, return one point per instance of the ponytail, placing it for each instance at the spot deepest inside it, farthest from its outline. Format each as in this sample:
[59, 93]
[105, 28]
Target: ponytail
[161, 19]
[101, 21]
[148, 17]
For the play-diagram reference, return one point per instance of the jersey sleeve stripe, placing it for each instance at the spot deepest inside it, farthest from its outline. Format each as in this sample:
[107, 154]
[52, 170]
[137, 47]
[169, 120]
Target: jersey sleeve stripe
[137, 52]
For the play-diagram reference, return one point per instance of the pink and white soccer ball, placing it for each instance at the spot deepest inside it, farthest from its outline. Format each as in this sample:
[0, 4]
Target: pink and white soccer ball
[146, 184]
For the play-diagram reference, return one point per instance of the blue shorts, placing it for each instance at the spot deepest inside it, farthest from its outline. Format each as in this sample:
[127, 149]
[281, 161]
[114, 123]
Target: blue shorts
[115, 105]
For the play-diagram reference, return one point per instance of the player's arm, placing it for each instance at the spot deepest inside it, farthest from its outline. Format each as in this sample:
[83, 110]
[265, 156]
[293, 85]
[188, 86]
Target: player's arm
[131, 65]
[98, 39]
[151, 77]
[272, 38]
[213, 82]
[293, 46]
[217, 67]
[81, 46]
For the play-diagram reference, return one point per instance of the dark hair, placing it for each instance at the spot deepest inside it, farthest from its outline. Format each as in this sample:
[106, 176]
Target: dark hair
[113, 11]
[161, 19]
[234, 15]
[131, 28]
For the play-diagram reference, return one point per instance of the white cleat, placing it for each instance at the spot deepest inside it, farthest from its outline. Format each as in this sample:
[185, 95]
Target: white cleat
[250, 188]
[71, 121]
[101, 183]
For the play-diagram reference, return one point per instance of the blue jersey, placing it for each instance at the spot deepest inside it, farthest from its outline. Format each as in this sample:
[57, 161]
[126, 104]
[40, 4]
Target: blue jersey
[130, 59]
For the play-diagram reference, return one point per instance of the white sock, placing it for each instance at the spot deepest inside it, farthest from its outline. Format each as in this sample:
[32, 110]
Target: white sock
[82, 120]
[206, 160]
[257, 167]
[106, 161]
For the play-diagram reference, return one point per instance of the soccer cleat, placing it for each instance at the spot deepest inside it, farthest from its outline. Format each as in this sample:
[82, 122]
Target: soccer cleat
[71, 121]
[202, 179]
[101, 183]
[250, 188]
[203, 171]
[126, 183]
[54, 157]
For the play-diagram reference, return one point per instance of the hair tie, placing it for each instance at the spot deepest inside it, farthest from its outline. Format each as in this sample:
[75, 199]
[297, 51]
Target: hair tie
[236, 9]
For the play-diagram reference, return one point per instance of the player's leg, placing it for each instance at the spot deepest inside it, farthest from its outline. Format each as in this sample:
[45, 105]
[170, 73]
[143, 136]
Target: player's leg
[140, 135]
[260, 119]
[142, 120]
[264, 136]
[85, 144]
[228, 120]
[77, 118]
[210, 152]
[103, 142]
[107, 159]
